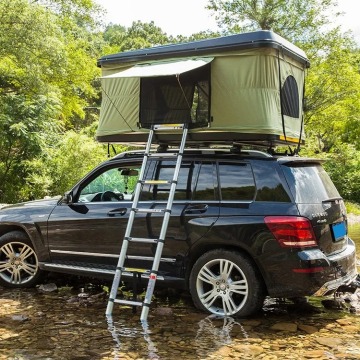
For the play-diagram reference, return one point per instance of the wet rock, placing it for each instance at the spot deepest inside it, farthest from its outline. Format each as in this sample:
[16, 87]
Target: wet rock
[329, 341]
[163, 311]
[83, 295]
[315, 354]
[249, 349]
[50, 287]
[308, 328]
[284, 326]
[334, 304]
[20, 318]
[72, 299]
[343, 322]
[250, 322]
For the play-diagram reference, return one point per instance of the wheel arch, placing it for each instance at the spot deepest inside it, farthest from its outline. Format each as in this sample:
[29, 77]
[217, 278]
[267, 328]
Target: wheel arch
[4, 229]
[34, 237]
[196, 252]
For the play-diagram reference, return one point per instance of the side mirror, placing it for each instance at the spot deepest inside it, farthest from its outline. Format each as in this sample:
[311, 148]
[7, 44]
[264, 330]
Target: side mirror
[67, 198]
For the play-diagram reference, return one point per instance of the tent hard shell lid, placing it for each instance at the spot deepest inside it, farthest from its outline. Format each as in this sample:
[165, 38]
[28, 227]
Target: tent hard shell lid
[244, 88]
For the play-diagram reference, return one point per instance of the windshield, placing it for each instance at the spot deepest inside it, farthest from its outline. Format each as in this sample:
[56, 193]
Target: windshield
[309, 183]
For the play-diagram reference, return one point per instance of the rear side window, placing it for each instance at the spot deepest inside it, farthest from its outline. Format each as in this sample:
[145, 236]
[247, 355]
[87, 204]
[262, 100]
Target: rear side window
[236, 181]
[309, 183]
[268, 183]
[196, 181]
[165, 171]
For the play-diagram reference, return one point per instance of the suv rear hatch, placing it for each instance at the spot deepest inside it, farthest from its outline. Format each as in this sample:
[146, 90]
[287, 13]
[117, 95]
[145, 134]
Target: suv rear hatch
[318, 200]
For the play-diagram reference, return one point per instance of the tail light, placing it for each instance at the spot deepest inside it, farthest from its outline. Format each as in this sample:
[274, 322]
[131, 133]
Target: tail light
[291, 231]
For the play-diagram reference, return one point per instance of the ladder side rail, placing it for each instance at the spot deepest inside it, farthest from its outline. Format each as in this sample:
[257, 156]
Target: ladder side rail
[125, 243]
[160, 245]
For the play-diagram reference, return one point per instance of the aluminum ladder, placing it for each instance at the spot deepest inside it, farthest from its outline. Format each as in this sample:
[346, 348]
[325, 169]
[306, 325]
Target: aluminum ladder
[152, 274]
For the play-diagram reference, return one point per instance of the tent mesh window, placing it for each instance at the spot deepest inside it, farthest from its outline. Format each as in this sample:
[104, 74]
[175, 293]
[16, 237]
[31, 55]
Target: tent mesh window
[290, 98]
[175, 99]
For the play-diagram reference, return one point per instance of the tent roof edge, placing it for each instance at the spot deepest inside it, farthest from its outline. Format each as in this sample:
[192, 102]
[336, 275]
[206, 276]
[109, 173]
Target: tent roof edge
[251, 40]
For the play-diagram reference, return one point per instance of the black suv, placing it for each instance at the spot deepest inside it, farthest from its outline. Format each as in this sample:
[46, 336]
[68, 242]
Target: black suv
[243, 225]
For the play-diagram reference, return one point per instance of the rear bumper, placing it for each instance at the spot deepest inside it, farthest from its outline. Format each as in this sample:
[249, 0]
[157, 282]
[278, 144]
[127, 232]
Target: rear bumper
[312, 273]
[342, 268]
[331, 286]
[339, 269]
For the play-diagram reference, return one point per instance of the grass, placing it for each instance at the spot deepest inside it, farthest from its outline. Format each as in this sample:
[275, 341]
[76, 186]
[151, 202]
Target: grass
[352, 208]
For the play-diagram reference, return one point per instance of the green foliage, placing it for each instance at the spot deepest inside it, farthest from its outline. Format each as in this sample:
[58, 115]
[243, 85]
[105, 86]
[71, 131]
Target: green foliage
[58, 169]
[332, 96]
[50, 88]
[352, 208]
[47, 73]
[294, 19]
[139, 35]
[343, 166]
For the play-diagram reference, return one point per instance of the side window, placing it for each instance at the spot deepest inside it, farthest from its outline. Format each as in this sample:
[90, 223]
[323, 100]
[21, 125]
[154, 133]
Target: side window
[114, 184]
[236, 181]
[165, 171]
[204, 182]
[269, 188]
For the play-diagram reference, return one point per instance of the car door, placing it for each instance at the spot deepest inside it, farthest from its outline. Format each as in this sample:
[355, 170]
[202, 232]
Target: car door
[90, 230]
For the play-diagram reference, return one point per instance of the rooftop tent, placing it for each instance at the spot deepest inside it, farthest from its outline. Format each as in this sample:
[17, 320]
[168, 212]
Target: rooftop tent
[238, 88]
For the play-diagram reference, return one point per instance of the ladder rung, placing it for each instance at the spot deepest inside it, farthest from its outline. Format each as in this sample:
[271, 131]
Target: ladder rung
[145, 275]
[156, 182]
[128, 302]
[149, 211]
[163, 154]
[169, 127]
[143, 240]
[136, 270]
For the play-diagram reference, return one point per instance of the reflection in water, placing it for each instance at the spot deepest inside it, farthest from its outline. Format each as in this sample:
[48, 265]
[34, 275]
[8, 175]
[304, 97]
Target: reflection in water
[120, 331]
[218, 335]
[213, 333]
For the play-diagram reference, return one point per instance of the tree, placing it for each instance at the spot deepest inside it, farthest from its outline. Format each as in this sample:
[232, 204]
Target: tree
[55, 171]
[296, 20]
[139, 35]
[46, 75]
[332, 96]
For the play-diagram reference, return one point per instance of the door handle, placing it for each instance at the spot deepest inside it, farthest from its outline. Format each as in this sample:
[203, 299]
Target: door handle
[197, 209]
[121, 212]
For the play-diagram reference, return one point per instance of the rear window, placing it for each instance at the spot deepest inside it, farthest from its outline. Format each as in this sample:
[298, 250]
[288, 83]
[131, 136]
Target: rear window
[309, 183]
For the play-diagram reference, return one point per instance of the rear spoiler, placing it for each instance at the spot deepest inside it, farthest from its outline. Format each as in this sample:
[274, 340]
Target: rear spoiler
[299, 160]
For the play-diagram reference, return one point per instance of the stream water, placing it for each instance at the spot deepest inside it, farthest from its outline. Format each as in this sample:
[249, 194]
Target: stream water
[69, 324]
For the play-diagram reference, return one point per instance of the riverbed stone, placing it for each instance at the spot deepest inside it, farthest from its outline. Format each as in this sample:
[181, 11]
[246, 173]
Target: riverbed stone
[329, 341]
[309, 329]
[284, 326]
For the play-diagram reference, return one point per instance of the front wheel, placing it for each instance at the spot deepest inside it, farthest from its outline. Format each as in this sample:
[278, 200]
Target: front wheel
[225, 283]
[19, 265]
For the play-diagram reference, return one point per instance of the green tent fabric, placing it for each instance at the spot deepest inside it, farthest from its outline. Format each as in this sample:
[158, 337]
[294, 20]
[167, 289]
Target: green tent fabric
[251, 95]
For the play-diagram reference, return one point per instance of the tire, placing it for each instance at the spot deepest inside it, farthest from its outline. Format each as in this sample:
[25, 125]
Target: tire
[225, 283]
[19, 267]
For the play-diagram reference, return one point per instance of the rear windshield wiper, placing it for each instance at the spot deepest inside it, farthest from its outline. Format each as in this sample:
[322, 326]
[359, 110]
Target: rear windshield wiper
[332, 199]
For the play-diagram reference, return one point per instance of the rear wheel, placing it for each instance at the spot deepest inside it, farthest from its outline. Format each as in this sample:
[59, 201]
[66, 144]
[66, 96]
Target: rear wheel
[226, 283]
[19, 265]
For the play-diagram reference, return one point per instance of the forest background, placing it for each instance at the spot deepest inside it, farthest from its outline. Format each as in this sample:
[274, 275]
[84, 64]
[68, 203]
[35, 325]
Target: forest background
[50, 92]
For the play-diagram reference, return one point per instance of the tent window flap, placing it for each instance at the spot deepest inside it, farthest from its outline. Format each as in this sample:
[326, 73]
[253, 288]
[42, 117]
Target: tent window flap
[180, 98]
